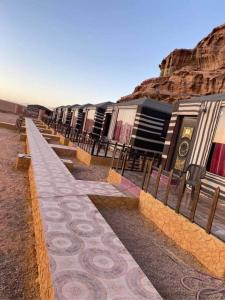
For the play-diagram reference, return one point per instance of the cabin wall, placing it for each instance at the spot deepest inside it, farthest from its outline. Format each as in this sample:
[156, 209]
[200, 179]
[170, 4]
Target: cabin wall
[149, 131]
[98, 122]
[80, 120]
[123, 126]
[59, 115]
[89, 120]
[66, 117]
[181, 109]
[113, 122]
[207, 113]
[74, 118]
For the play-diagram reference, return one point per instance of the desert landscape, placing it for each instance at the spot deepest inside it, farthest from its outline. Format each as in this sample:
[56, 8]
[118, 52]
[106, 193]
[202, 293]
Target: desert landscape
[18, 268]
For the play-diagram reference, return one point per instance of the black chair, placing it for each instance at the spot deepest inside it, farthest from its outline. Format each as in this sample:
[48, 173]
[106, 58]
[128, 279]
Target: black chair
[194, 173]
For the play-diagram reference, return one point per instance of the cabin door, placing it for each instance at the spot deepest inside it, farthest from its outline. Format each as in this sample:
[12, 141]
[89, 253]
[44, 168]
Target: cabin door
[106, 124]
[184, 144]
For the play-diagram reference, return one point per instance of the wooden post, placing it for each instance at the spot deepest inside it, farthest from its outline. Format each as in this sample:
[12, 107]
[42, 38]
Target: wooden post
[106, 149]
[86, 143]
[133, 161]
[195, 201]
[148, 175]
[90, 146]
[114, 155]
[168, 187]
[143, 163]
[124, 162]
[180, 192]
[144, 175]
[118, 161]
[93, 147]
[213, 210]
[154, 194]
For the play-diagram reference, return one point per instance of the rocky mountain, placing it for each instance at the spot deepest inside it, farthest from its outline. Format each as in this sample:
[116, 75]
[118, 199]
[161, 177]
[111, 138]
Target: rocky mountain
[188, 72]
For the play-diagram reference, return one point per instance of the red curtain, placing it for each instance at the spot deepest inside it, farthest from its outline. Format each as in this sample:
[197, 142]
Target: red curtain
[217, 165]
[117, 130]
[88, 125]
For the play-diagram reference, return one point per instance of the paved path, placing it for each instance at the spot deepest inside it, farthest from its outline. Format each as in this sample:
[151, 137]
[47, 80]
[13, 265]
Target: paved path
[88, 261]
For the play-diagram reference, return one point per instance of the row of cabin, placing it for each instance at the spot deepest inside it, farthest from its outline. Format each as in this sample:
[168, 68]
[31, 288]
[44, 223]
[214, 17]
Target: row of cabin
[141, 123]
[189, 132]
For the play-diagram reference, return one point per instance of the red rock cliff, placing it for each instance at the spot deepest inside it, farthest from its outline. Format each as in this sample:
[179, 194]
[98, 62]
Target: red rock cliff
[188, 72]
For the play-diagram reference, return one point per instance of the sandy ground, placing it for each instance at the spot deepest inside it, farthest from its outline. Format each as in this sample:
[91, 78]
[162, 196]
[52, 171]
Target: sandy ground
[162, 262]
[18, 269]
[7, 117]
[160, 259]
[93, 173]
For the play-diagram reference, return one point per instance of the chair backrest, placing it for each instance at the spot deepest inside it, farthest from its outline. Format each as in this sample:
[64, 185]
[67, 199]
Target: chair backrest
[195, 172]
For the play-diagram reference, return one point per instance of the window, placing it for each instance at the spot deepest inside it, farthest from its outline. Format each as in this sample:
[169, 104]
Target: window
[216, 162]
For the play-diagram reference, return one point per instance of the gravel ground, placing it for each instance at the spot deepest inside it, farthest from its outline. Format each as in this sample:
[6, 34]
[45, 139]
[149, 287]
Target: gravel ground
[162, 262]
[18, 269]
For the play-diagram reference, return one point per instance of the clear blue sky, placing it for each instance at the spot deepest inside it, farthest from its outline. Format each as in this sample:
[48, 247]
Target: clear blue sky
[76, 51]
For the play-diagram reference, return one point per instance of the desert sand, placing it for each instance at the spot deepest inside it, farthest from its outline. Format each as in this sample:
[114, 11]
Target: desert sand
[18, 269]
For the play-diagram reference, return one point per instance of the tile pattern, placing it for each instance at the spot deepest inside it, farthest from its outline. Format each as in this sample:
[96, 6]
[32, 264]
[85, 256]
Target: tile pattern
[87, 259]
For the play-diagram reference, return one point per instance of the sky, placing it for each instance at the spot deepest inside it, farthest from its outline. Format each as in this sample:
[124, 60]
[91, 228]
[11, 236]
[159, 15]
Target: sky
[77, 51]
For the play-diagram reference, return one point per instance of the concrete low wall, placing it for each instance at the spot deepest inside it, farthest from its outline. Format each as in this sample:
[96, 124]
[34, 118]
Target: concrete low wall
[11, 107]
[113, 202]
[207, 249]
[8, 125]
[44, 272]
[116, 178]
[89, 159]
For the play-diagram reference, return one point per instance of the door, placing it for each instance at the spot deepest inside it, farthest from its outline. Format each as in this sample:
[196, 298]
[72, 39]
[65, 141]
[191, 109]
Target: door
[184, 144]
[106, 124]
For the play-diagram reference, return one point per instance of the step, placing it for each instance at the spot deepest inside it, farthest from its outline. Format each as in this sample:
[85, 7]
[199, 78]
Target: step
[68, 163]
[62, 150]
[23, 161]
[53, 137]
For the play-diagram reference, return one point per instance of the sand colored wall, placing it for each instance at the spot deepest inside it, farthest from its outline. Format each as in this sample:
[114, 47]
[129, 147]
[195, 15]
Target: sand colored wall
[51, 136]
[45, 130]
[61, 150]
[103, 161]
[45, 279]
[83, 156]
[11, 107]
[209, 250]
[114, 177]
[23, 161]
[89, 159]
[23, 137]
[8, 125]
[114, 201]
[63, 140]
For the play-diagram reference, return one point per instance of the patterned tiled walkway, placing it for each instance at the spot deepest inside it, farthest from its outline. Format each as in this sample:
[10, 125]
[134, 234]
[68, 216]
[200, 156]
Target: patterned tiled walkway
[88, 261]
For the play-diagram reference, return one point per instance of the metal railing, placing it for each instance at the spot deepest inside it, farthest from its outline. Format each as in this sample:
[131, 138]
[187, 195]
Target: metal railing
[153, 174]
